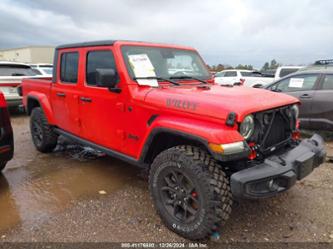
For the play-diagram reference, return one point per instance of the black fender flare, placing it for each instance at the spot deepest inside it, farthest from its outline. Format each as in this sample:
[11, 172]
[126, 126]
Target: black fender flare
[156, 131]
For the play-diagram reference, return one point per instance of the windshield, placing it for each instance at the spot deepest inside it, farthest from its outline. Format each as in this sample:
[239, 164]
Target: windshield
[16, 70]
[163, 63]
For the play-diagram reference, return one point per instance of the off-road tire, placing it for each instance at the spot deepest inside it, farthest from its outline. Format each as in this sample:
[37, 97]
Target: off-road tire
[45, 139]
[2, 165]
[209, 179]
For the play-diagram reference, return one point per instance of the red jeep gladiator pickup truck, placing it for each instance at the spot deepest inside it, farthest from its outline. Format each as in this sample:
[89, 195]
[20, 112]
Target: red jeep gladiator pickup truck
[157, 107]
[6, 134]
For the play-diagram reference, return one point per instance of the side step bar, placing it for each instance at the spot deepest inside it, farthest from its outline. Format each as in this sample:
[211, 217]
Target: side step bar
[107, 151]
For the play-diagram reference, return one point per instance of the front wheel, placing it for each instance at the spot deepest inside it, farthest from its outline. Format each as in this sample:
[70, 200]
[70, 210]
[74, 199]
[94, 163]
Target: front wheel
[190, 191]
[43, 136]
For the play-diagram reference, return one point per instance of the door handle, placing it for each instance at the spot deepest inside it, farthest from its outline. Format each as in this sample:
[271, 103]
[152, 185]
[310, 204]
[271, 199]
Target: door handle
[60, 94]
[305, 96]
[85, 99]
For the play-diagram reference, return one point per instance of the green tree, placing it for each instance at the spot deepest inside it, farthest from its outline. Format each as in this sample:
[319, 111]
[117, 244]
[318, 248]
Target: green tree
[269, 66]
[245, 67]
[274, 64]
[219, 67]
[265, 67]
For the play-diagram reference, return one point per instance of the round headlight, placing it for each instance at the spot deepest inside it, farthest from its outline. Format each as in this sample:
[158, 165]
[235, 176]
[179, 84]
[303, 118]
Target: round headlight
[295, 110]
[246, 128]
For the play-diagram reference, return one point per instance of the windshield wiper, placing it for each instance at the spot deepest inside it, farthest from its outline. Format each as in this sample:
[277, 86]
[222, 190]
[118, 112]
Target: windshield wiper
[188, 77]
[157, 78]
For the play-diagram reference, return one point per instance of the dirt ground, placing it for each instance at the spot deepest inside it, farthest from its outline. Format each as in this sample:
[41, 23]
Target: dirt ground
[76, 195]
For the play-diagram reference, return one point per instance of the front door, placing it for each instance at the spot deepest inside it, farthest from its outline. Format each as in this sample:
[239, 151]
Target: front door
[302, 87]
[101, 111]
[65, 93]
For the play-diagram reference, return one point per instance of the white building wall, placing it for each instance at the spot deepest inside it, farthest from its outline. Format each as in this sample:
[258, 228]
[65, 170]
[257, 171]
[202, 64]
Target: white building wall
[41, 54]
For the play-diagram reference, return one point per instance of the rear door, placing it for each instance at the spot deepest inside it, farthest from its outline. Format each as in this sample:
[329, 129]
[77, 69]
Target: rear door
[65, 92]
[322, 104]
[303, 87]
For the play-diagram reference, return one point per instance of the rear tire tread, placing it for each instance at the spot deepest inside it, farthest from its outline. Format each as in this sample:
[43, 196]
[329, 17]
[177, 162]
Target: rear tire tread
[2, 165]
[50, 138]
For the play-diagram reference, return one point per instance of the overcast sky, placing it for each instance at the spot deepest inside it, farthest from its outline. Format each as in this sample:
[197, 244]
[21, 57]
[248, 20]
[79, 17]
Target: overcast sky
[228, 32]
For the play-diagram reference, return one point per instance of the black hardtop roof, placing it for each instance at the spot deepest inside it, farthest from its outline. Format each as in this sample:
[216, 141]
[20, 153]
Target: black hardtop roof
[87, 44]
[93, 43]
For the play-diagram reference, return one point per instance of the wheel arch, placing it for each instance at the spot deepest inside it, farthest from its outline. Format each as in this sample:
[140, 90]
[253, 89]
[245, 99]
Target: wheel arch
[41, 101]
[32, 102]
[161, 139]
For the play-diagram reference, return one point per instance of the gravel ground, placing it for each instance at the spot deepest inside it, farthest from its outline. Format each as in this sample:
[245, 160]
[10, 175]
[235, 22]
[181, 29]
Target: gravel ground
[61, 197]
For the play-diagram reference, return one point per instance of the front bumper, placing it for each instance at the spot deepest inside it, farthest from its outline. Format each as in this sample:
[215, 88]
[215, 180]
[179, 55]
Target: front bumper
[279, 173]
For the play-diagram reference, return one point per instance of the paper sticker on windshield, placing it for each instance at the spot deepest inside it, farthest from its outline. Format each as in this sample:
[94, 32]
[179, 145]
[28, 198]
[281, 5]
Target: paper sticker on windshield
[296, 82]
[142, 67]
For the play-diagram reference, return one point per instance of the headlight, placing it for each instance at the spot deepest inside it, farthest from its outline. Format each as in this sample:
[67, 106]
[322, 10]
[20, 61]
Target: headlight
[295, 110]
[246, 128]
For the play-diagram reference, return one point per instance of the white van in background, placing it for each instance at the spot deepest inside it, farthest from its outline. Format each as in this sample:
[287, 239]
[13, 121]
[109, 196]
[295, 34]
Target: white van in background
[285, 70]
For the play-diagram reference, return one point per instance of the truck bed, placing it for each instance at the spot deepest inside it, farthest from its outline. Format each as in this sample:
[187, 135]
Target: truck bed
[36, 85]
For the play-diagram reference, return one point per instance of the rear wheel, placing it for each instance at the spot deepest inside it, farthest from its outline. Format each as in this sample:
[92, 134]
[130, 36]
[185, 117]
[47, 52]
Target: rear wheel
[190, 191]
[43, 136]
[2, 165]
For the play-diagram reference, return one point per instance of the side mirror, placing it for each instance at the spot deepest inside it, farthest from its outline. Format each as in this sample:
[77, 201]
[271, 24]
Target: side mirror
[106, 78]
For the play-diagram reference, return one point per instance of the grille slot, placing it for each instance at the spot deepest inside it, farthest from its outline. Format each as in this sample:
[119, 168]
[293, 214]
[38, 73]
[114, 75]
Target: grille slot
[278, 132]
[273, 128]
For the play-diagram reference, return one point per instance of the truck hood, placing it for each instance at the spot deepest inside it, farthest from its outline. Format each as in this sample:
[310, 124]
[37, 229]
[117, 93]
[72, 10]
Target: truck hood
[217, 101]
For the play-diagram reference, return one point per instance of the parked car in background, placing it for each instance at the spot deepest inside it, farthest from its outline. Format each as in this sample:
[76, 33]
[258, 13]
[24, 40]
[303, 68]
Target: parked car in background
[242, 77]
[313, 86]
[43, 69]
[6, 134]
[284, 71]
[11, 75]
[320, 64]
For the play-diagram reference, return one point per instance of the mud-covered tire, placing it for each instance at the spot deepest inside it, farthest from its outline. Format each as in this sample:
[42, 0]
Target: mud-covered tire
[210, 182]
[43, 136]
[2, 165]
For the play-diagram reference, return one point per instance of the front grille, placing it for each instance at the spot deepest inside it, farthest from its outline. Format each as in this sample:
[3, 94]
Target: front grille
[273, 128]
[278, 131]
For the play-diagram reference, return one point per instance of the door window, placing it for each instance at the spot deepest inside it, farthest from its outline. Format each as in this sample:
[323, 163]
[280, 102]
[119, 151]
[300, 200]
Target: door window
[296, 83]
[69, 67]
[98, 60]
[328, 82]
[230, 74]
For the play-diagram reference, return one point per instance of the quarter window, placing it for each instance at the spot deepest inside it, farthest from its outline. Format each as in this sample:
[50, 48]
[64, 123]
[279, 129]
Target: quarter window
[98, 60]
[69, 67]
